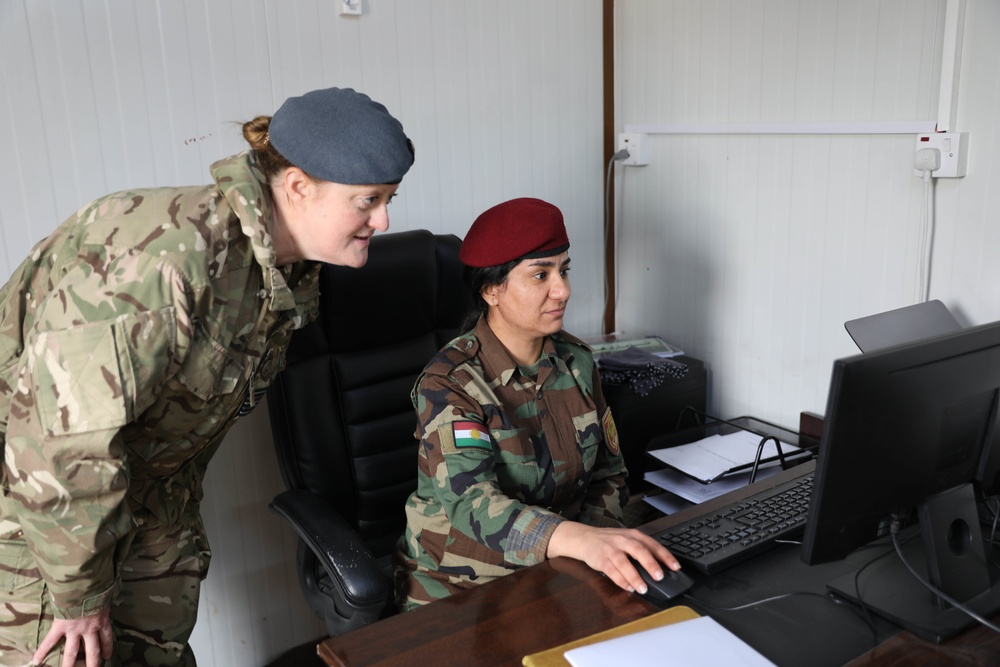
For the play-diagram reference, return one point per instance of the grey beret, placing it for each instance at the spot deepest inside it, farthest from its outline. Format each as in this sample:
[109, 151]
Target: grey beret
[340, 135]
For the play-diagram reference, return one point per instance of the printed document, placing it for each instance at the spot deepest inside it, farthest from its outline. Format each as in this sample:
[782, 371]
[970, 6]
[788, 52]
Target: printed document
[710, 458]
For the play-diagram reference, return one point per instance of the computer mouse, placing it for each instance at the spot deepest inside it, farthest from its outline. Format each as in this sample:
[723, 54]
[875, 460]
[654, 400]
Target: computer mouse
[672, 585]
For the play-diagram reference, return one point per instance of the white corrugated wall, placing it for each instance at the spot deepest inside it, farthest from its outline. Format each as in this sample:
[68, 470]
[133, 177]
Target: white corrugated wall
[748, 250]
[502, 99]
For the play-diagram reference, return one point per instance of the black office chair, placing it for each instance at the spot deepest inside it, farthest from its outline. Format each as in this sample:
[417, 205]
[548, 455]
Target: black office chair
[343, 423]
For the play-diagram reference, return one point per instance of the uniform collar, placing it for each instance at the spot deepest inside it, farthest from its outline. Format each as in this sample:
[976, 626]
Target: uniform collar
[500, 364]
[245, 189]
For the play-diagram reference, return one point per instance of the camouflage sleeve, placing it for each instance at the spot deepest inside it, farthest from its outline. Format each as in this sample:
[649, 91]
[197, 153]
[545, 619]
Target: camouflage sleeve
[461, 458]
[607, 494]
[104, 339]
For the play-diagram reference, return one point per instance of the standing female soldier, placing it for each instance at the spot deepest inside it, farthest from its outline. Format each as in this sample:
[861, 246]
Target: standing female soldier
[131, 339]
[519, 459]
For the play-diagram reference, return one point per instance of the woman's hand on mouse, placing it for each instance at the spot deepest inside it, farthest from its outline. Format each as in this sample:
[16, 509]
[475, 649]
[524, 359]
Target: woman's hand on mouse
[607, 550]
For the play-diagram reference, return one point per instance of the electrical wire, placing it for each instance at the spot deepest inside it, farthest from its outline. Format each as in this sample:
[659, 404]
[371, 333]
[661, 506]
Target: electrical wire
[755, 603]
[926, 238]
[996, 517]
[894, 531]
[993, 530]
[857, 593]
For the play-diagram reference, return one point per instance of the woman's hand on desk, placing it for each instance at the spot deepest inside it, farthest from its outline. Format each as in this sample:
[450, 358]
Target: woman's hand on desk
[607, 550]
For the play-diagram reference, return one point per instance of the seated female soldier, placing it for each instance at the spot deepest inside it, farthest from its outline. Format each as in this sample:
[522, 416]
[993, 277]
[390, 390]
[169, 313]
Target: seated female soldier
[519, 459]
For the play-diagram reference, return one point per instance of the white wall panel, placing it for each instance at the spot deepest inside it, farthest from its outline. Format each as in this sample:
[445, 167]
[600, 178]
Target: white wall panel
[750, 251]
[502, 99]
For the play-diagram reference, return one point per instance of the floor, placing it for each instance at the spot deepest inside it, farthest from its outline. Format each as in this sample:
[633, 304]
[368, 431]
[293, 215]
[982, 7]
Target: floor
[300, 656]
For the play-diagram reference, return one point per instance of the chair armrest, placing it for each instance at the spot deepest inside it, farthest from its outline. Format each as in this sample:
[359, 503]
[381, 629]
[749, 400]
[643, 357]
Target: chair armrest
[337, 547]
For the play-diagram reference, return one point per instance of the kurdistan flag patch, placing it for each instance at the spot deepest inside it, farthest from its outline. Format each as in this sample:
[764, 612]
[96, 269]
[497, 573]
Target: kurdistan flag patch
[471, 435]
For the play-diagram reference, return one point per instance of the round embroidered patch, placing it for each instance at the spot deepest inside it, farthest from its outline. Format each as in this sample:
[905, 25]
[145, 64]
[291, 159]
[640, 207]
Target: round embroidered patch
[610, 432]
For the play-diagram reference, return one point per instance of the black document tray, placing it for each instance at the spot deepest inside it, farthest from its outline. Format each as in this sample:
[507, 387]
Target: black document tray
[724, 427]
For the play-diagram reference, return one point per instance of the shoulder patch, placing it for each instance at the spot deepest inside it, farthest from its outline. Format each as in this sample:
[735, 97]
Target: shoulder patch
[610, 432]
[471, 435]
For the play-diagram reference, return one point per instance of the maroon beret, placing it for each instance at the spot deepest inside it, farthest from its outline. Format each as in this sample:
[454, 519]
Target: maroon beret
[515, 229]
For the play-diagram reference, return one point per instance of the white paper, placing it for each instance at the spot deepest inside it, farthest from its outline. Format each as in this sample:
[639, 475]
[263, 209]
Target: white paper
[668, 503]
[699, 641]
[715, 455]
[694, 491]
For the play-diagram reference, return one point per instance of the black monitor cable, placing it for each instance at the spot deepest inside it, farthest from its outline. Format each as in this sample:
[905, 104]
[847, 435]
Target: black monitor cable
[996, 518]
[990, 516]
[857, 591]
[894, 530]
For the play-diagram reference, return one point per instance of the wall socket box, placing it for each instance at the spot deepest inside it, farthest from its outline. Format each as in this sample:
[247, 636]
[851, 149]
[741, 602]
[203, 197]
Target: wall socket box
[954, 147]
[350, 7]
[637, 145]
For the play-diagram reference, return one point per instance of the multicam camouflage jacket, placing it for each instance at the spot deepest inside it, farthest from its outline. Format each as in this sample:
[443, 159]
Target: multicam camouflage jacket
[129, 340]
[505, 456]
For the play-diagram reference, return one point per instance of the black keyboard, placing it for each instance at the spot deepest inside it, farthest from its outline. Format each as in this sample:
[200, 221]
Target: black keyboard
[733, 533]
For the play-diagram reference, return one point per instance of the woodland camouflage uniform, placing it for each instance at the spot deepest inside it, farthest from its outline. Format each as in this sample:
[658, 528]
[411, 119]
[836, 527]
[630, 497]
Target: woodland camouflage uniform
[506, 454]
[129, 340]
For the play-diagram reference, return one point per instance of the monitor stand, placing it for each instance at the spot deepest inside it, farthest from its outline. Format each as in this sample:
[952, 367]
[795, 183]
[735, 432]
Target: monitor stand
[950, 540]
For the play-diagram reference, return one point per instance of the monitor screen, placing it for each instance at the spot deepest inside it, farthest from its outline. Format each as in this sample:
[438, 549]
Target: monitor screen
[907, 435]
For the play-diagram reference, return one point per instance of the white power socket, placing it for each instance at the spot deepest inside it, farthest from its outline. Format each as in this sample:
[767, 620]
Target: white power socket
[954, 149]
[350, 7]
[637, 145]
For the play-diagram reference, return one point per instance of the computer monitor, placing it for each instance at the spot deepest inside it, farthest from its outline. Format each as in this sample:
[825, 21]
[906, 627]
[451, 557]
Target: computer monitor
[908, 431]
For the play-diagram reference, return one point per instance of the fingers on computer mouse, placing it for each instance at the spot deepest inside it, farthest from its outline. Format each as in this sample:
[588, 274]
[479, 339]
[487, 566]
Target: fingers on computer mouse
[672, 585]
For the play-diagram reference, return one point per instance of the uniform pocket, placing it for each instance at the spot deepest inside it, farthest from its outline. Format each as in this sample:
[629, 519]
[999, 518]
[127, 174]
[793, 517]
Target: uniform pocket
[78, 380]
[588, 437]
[17, 568]
[205, 371]
[100, 376]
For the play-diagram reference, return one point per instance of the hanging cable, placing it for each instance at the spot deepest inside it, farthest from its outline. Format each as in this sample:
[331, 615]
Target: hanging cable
[927, 161]
[926, 238]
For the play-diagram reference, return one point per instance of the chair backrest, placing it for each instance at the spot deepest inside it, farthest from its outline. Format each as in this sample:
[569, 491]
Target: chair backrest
[340, 413]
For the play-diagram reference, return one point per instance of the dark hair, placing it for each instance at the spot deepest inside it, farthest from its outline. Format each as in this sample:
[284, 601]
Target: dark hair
[270, 161]
[479, 278]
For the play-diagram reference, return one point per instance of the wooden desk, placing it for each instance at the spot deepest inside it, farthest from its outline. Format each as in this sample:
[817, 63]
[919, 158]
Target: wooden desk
[556, 602]
[561, 600]
[495, 624]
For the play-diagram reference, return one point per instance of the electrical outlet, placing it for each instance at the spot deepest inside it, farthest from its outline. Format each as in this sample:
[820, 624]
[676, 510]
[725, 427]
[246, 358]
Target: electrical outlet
[350, 7]
[637, 145]
[954, 148]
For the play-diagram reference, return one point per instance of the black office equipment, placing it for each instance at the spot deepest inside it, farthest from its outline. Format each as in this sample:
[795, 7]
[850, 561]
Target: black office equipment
[717, 455]
[910, 427]
[716, 541]
[640, 419]
[672, 585]
[902, 325]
